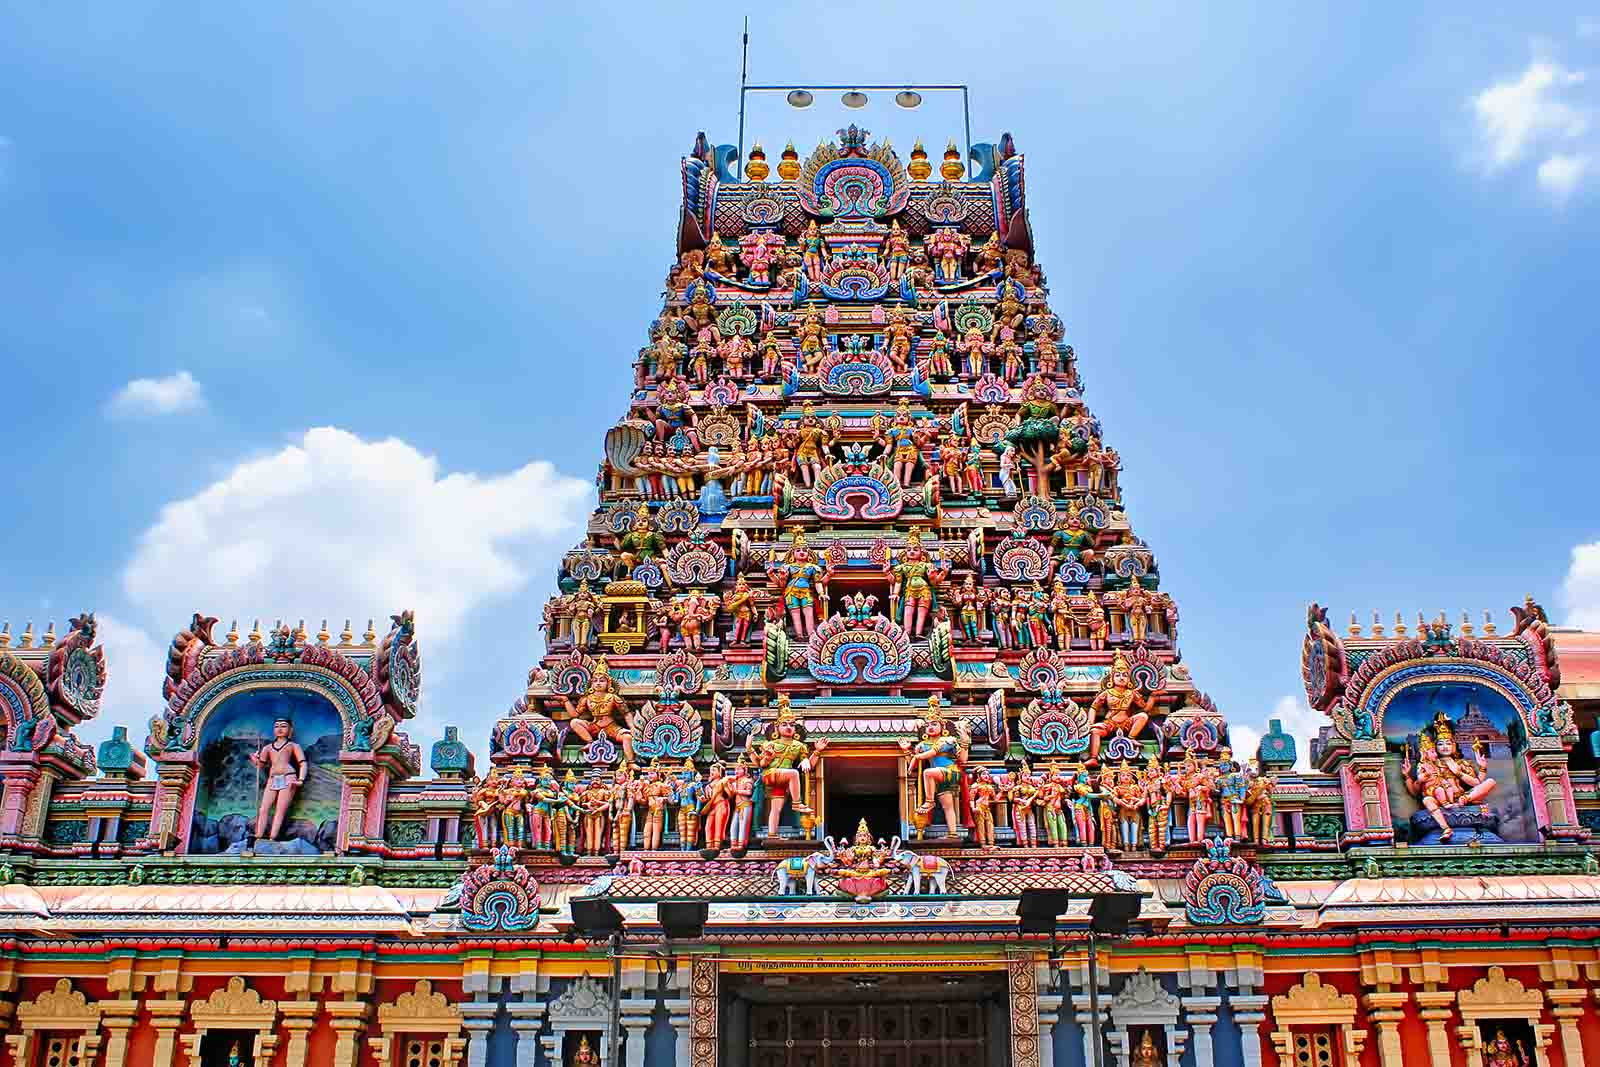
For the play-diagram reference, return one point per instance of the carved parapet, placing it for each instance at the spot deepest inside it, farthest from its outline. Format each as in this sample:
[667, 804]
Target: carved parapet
[421, 1015]
[234, 1007]
[60, 1010]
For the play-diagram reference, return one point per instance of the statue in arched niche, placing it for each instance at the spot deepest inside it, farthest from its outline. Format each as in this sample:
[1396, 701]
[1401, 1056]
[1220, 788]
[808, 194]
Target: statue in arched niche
[285, 764]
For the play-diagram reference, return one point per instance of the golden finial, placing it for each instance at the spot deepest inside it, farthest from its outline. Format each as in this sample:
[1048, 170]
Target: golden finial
[789, 163]
[951, 169]
[300, 630]
[5, 634]
[323, 636]
[1377, 624]
[1399, 624]
[370, 638]
[1466, 624]
[919, 168]
[756, 169]
[27, 636]
[1355, 625]
[255, 632]
[49, 635]
[346, 635]
[233, 632]
[785, 712]
[1488, 623]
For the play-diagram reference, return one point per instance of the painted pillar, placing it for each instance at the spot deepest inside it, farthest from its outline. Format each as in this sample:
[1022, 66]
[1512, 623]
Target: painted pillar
[1049, 1015]
[1437, 1006]
[527, 1019]
[635, 1021]
[1080, 1005]
[166, 1016]
[477, 1018]
[1249, 1012]
[1201, 1014]
[349, 1019]
[19, 782]
[1388, 1011]
[1566, 1005]
[117, 1018]
[299, 1016]
[1469, 1041]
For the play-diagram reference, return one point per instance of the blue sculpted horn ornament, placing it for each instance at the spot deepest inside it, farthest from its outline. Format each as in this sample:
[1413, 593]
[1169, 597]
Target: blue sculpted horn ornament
[1224, 890]
[668, 728]
[857, 490]
[850, 180]
[499, 896]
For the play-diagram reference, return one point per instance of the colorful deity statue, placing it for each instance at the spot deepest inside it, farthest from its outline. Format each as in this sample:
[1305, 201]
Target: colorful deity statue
[640, 543]
[1052, 803]
[916, 578]
[659, 613]
[514, 811]
[947, 247]
[989, 256]
[688, 791]
[667, 353]
[863, 866]
[1502, 1053]
[812, 252]
[1071, 539]
[1232, 787]
[1157, 804]
[720, 258]
[970, 600]
[952, 463]
[813, 440]
[984, 796]
[1258, 804]
[740, 606]
[771, 358]
[1085, 828]
[1137, 604]
[656, 794]
[716, 807]
[541, 800]
[1024, 794]
[760, 250]
[1008, 353]
[1146, 1054]
[623, 797]
[1036, 429]
[972, 467]
[1128, 795]
[600, 712]
[940, 367]
[975, 350]
[594, 806]
[1441, 779]
[1199, 785]
[737, 354]
[896, 251]
[901, 336]
[784, 756]
[585, 1056]
[901, 440]
[1119, 706]
[937, 756]
[1038, 616]
[1000, 616]
[694, 613]
[743, 818]
[810, 336]
[803, 580]
[486, 810]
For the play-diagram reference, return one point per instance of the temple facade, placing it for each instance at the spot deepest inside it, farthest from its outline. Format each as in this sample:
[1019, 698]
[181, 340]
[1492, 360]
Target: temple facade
[860, 648]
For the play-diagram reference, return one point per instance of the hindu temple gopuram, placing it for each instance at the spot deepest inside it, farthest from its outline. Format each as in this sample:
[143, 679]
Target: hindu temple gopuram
[859, 649]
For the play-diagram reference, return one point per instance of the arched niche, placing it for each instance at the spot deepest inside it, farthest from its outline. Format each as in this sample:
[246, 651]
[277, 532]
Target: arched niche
[228, 787]
[1453, 713]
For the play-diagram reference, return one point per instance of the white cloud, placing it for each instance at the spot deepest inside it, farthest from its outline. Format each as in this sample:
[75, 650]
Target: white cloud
[337, 526]
[1560, 174]
[1580, 592]
[1514, 114]
[135, 663]
[151, 397]
[1246, 739]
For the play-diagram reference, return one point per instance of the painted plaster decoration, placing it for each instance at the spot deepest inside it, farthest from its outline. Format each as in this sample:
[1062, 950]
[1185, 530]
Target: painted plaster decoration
[1451, 788]
[936, 759]
[787, 762]
[75, 674]
[499, 896]
[1222, 889]
[859, 645]
[600, 713]
[667, 728]
[284, 765]
[863, 867]
[397, 667]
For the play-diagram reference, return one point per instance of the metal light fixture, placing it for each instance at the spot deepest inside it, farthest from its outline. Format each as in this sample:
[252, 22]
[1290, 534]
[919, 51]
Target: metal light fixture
[799, 98]
[908, 98]
[854, 98]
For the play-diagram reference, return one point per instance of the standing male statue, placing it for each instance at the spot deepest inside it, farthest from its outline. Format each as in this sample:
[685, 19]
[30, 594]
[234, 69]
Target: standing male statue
[286, 768]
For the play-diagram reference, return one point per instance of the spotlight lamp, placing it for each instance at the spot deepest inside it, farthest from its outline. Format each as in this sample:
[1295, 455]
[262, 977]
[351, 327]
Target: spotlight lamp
[799, 98]
[854, 98]
[908, 98]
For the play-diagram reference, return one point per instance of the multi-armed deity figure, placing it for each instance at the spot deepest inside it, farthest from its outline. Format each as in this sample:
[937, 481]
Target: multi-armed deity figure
[937, 757]
[639, 544]
[916, 576]
[286, 767]
[901, 440]
[803, 579]
[784, 756]
[600, 712]
[1441, 779]
[1119, 706]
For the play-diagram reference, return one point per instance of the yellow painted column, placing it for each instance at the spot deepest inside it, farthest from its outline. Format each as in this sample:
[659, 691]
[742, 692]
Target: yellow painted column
[118, 1017]
[166, 1016]
[1437, 1007]
[349, 1019]
[1388, 1011]
[299, 1016]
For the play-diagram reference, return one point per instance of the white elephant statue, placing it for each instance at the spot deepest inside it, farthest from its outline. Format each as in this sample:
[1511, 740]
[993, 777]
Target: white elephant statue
[799, 872]
[924, 870]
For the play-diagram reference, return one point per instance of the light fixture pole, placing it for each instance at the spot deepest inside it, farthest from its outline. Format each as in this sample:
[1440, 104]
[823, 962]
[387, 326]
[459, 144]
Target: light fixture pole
[616, 1000]
[1094, 1000]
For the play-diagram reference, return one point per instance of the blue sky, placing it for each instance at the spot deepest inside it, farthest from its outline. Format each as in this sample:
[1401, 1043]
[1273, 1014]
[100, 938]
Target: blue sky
[312, 314]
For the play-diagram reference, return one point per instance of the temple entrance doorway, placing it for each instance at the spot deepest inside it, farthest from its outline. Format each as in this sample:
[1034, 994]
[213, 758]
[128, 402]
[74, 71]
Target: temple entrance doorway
[862, 787]
[926, 1019]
